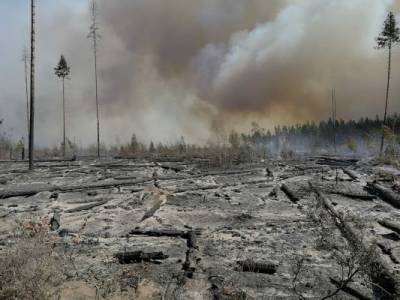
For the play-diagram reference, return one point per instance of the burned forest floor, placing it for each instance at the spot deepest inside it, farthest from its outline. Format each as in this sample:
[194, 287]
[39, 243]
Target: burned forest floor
[130, 229]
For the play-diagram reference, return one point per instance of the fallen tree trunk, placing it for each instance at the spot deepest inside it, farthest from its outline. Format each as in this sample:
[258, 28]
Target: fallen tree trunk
[382, 275]
[290, 194]
[35, 189]
[385, 194]
[257, 267]
[150, 212]
[86, 207]
[353, 175]
[338, 162]
[350, 290]
[139, 256]
[173, 167]
[161, 232]
[390, 225]
[364, 197]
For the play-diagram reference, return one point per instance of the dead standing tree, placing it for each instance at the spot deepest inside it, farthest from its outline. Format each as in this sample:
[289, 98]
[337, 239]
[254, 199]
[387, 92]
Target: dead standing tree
[388, 38]
[94, 35]
[32, 102]
[62, 71]
[25, 59]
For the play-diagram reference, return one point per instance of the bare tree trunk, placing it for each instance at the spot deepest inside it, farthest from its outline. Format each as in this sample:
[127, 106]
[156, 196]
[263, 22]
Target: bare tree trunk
[94, 35]
[25, 58]
[334, 118]
[32, 94]
[63, 96]
[97, 98]
[387, 98]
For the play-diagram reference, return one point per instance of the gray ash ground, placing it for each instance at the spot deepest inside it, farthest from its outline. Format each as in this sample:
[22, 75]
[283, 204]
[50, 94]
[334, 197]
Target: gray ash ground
[208, 222]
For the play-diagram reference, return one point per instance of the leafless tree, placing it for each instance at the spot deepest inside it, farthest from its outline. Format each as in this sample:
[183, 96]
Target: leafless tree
[62, 71]
[25, 59]
[388, 38]
[32, 94]
[95, 36]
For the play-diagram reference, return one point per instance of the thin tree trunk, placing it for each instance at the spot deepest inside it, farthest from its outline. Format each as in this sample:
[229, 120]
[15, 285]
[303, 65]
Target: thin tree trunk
[63, 96]
[387, 98]
[94, 35]
[32, 94]
[97, 98]
[26, 89]
[334, 118]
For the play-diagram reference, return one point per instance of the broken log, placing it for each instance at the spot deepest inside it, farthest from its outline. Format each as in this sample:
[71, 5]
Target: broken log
[390, 225]
[150, 212]
[173, 167]
[383, 274]
[353, 175]
[55, 222]
[388, 251]
[335, 162]
[86, 207]
[160, 233]
[35, 189]
[385, 194]
[289, 193]
[257, 267]
[139, 256]
[364, 197]
[350, 290]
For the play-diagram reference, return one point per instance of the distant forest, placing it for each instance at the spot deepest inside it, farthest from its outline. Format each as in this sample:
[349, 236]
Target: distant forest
[344, 137]
[360, 136]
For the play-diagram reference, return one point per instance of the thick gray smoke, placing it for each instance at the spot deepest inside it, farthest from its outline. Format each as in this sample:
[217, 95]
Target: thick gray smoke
[178, 67]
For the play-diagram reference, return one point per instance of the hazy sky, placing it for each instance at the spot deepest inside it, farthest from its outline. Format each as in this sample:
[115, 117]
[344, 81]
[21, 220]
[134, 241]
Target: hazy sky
[192, 67]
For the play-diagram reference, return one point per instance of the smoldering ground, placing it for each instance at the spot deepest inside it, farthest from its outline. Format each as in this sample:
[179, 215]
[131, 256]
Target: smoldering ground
[172, 68]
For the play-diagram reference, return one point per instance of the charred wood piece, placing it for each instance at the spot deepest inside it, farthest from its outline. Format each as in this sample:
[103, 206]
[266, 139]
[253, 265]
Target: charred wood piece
[385, 194]
[353, 175]
[330, 161]
[390, 225]
[356, 196]
[383, 275]
[290, 194]
[257, 267]
[86, 207]
[139, 256]
[350, 290]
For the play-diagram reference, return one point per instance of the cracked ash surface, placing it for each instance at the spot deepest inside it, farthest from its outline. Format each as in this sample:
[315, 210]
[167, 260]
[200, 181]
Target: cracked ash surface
[179, 231]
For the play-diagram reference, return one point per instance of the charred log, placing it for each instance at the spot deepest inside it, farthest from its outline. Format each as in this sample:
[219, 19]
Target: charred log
[257, 267]
[86, 207]
[350, 290]
[139, 256]
[383, 275]
[385, 194]
[290, 194]
[390, 225]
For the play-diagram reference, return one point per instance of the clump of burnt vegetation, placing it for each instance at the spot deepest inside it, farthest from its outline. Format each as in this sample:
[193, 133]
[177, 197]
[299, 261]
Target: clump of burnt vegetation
[30, 268]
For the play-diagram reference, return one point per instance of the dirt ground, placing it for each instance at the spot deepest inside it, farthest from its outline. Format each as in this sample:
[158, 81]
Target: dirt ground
[189, 229]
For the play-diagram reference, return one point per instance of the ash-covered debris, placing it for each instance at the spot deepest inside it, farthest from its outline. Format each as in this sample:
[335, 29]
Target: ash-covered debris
[176, 230]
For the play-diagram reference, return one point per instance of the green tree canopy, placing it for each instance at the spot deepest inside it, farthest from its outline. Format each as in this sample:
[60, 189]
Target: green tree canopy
[62, 70]
[390, 34]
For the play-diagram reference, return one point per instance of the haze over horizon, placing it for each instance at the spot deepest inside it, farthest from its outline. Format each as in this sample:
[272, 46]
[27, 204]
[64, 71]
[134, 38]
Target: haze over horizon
[178, 68]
